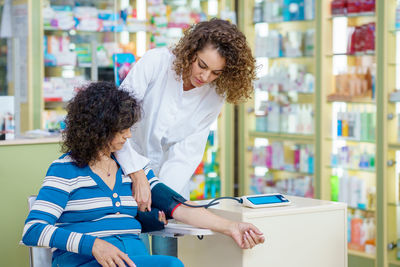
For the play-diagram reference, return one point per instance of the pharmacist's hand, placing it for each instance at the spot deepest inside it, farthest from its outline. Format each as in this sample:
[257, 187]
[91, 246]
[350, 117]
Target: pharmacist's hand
[108, 255]
[141, 190]
[246, 235]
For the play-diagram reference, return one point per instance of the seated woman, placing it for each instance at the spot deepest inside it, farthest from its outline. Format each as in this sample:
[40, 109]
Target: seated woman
[85, 210]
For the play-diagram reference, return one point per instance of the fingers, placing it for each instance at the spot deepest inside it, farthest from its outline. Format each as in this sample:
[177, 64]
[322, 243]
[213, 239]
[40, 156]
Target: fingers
[256, 237]
[162, 218]
[110, 263]
[127, 260]
[119, 262]
[250, 239]
[246, 243]
[255, 229]
[149, 204]
[142, 207]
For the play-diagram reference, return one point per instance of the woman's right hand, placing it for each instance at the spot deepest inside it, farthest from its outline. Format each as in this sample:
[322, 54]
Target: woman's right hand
[108, 255]
[141, 190]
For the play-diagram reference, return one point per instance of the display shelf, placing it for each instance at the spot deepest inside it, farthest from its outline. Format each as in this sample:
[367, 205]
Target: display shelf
[294, 58]
[361, 254]
[75, 31]
[395, 146]
[282, 137]
[382, 60]
[301, 104]
[287, 21]
[390, 185]
[394, 204]
[394, 262]
[341, 106]
[369, 211]
[352, 55]
[283, 171]
[350, 140]
[78, 67]
[350, 100]
[354, 15]
[351, 169]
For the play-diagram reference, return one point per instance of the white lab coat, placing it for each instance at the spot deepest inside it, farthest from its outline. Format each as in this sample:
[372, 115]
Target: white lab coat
[172, 134]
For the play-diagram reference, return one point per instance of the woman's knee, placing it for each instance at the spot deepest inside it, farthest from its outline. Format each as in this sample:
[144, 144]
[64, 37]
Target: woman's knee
[175, 262]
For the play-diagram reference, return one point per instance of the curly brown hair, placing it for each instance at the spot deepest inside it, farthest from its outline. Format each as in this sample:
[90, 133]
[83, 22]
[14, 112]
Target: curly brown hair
[97, 112]
[235, 82]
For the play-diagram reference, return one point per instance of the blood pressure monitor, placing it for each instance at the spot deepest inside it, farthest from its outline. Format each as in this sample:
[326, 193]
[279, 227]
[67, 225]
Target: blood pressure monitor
[265, 200]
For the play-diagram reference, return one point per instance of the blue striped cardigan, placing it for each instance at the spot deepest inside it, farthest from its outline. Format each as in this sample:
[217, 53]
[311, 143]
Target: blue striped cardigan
[74, 206]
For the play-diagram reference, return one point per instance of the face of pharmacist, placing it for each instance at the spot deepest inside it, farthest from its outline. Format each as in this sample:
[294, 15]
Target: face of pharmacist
[207, 66]
[119, 139]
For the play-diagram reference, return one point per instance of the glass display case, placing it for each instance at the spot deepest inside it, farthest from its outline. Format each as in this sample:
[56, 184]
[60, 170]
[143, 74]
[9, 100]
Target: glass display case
[280, 138]
[349, 136]
[392, 92]
[15, 85]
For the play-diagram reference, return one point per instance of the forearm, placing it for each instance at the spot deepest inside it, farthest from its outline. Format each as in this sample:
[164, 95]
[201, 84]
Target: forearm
[200, 217]
[141, 189]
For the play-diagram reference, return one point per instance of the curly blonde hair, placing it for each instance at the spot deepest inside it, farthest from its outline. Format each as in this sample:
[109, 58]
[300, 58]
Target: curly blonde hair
[235, 82]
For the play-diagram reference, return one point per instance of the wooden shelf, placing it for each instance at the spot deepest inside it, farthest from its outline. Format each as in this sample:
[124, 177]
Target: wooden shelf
[351, 169]
[392, 204]
[361, 254]
[354, 15]
[79, 67]
[352, 55]
[363, 210]
[351, 140]
[299, 57]
[348, 99]
[284, 171]
[283, 136]
[46, 29]
[395, 146]
[287, 21]
[394, 262]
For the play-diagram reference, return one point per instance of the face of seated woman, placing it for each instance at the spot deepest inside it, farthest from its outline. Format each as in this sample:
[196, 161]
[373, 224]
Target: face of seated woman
[119, 139]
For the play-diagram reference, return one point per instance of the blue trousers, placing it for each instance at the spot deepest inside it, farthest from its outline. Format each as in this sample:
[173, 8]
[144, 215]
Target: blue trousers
[131, 245]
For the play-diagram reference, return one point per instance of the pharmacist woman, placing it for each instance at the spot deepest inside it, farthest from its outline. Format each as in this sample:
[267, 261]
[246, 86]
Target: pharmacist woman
[183, 91]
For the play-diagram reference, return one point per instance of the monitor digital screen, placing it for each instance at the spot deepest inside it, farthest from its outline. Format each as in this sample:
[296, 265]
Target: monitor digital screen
[266, 200]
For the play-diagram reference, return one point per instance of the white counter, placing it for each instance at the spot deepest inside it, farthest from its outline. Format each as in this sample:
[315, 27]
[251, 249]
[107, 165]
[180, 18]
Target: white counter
[31, 141]
[308, 233]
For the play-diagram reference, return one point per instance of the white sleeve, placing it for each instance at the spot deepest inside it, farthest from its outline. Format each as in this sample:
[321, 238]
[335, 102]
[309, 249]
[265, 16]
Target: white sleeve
[129, 159]
[136, 82]
[185, 156]
[142, 74]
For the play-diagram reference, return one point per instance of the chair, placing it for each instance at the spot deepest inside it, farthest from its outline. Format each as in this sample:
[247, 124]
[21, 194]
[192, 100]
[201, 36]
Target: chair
[38, 256]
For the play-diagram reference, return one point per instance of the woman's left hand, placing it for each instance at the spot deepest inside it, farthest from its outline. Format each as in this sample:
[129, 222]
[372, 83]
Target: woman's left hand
[246, 235]
[162, 218]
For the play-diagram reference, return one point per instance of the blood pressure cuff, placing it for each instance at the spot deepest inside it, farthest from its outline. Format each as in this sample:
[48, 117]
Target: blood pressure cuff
[164, 198]
[149, 220]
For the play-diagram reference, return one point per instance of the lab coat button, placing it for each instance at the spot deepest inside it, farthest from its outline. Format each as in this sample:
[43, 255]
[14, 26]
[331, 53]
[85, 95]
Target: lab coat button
[117, 204]
[115, 195]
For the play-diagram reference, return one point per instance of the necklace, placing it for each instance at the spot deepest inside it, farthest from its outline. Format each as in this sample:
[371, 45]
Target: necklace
[107, 171]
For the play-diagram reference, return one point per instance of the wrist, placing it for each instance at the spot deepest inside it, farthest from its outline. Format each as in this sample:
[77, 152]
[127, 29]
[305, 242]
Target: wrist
[230, 227]
[137, 175]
